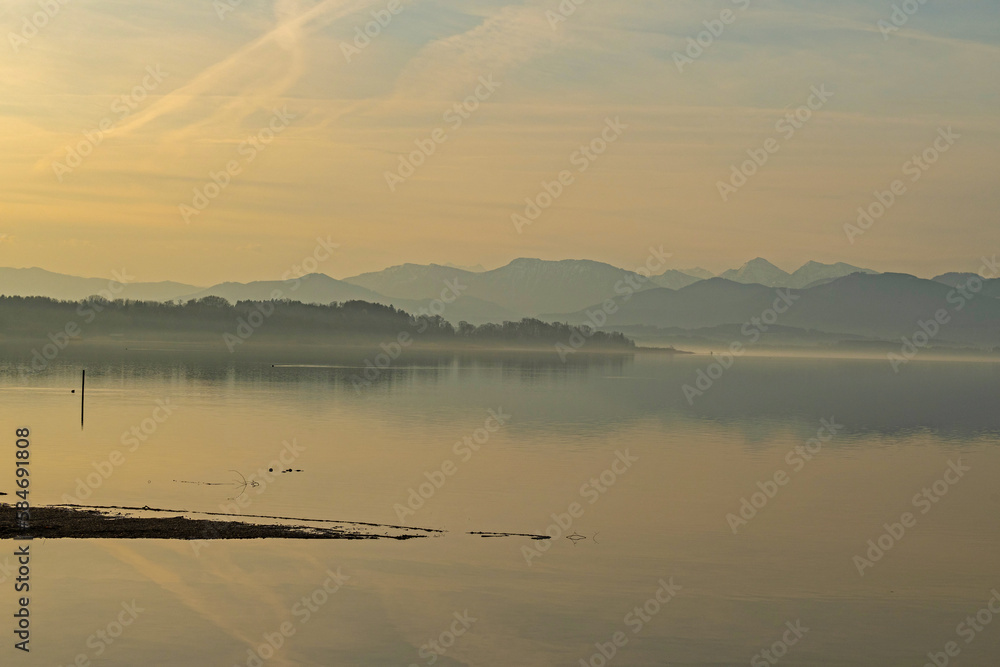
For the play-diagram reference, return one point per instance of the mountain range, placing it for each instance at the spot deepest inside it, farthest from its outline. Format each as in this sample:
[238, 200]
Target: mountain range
[831, 299]
[525, 287]
[857, 307]
[761, 272]
[39, 282]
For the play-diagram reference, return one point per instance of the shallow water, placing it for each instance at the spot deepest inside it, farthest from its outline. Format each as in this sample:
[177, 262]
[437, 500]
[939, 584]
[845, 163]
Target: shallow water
[661, 517]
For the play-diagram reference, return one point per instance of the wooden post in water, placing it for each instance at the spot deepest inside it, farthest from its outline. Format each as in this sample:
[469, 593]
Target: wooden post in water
[83, 389]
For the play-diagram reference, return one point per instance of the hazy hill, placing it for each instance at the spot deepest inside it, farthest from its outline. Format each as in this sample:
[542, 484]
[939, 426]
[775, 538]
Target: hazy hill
[991, 287]
[698, 272]
[954, 279]
[322, 289]
[884, 306]
[411, 281]
[535, 286]
[674, 279]
[765, 273]
[812, 273]
[532, 286]
[563, 289]
[890, 305]
[312, 288]
[759, 271]
[39, 282]
[525, 286]
[706, 303]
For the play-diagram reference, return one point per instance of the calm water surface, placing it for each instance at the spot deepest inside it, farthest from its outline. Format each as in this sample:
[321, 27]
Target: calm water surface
[663, 517]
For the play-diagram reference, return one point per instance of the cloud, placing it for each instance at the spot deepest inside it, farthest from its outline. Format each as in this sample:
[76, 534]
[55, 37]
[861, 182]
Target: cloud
[286, 35]
[511, 37]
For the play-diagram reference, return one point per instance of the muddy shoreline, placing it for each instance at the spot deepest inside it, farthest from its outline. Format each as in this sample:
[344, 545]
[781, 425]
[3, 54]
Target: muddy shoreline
[87, 522]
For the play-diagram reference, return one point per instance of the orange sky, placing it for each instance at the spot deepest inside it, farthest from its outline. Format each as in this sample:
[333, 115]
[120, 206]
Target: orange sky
[307, 120]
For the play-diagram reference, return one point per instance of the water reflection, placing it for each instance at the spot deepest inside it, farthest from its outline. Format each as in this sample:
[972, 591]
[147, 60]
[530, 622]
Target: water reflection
[362, 452]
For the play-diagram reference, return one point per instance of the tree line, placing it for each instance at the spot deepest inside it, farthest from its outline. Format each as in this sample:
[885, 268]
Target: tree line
[96, 317]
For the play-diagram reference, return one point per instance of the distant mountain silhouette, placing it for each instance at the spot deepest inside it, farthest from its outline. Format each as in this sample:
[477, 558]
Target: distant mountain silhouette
[39, 282]
[698, 272]
[673, 279]
[758, 271]
[763, 272]
[411, 281]
[814, 273]
[836, 298]
[321, 289]
[889, 306]
[954, 279]
[311, 288]
[879, 306]
[478, 268]
[706, 303]
[525, 286]
[991, 288]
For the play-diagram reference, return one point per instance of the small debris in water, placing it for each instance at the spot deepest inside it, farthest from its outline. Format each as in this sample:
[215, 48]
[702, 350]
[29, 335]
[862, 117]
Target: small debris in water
[243, 483]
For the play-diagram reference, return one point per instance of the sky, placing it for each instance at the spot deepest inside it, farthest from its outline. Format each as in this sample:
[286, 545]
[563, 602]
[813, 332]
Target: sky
[205, 141]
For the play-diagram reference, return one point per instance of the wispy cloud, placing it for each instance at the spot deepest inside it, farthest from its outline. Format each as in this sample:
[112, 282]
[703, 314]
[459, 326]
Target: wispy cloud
[512, 36]
[286, 35]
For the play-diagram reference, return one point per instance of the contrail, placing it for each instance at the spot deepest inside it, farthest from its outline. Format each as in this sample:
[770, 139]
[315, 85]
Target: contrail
[182, 96]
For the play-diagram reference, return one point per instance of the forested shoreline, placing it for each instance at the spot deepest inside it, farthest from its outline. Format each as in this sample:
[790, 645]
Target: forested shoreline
[38, 318]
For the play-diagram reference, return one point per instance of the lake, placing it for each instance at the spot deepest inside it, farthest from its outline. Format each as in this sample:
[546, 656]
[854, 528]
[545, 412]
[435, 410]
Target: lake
[801, 511]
